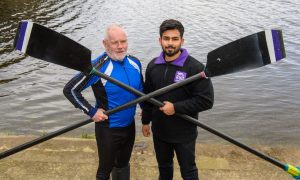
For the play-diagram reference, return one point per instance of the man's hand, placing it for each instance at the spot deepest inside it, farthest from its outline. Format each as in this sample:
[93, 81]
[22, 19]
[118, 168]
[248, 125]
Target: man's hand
[146, 130]
[99, 116]
[168, 108]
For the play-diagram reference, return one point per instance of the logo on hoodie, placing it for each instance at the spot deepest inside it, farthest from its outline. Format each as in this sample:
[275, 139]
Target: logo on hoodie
[179, 76]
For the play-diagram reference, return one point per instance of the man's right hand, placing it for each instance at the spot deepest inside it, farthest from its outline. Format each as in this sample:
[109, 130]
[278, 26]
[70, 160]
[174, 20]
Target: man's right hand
[99, 116]
[146, 130]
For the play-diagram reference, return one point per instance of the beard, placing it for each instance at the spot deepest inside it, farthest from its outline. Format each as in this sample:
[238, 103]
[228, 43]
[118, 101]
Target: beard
[171, 51]
[116, 56]
[119, 57]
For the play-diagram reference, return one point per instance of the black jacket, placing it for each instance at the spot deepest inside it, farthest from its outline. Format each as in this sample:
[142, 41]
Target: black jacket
[189, 99]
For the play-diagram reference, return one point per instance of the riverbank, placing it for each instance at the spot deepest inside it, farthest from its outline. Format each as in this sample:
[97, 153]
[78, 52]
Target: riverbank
[76, 158]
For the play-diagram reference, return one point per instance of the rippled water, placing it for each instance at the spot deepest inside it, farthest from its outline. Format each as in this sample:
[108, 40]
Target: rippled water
[259, 106]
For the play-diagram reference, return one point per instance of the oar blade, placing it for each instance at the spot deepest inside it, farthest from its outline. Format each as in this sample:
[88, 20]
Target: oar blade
[45, 44]
[247, 53]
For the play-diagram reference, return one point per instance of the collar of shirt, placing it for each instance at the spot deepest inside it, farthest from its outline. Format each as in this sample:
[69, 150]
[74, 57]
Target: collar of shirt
[177, 62]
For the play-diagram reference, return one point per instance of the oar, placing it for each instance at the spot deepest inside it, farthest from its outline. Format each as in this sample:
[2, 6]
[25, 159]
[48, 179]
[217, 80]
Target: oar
[262, 42]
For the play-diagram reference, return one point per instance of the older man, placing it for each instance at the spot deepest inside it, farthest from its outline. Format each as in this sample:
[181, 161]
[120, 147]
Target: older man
[115, 134]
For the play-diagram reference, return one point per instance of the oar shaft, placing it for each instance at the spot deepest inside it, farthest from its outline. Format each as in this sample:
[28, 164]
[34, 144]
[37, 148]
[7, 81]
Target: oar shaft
[145, 97]
[232, 140]
[128, 88]
[119, 108]
[198, 123]
[43, 138]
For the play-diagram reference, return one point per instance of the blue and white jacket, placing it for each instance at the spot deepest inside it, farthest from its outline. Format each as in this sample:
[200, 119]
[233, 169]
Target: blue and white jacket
[107, 94]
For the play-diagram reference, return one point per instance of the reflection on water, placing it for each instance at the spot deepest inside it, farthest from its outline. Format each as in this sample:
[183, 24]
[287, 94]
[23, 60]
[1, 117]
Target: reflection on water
[258, 106]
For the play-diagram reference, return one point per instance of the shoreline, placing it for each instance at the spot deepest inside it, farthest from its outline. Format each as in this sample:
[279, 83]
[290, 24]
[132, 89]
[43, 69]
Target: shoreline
[76, 158]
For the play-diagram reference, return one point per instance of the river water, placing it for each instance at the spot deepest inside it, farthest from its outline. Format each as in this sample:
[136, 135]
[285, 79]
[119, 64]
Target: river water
[260, 106]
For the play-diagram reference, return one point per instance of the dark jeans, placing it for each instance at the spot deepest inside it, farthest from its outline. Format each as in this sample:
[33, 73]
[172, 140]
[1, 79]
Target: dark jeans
[114, 148]
[185, 153]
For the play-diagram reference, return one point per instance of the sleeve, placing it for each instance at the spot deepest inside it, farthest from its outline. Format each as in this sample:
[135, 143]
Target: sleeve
[147, 107]
[202, 96]
[73, 89]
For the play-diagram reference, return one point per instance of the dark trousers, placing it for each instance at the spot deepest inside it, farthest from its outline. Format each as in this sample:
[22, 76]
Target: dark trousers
[114, 148]
[185, 153]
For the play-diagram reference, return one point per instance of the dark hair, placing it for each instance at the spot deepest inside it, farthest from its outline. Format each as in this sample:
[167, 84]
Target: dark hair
[171, 24]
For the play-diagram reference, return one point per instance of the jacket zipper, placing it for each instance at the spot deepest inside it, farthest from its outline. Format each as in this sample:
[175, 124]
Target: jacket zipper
[165, 75]
[132, 95]
[165, 82]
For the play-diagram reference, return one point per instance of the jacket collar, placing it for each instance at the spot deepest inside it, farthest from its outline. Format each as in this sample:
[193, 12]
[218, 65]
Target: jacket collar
[177, 62]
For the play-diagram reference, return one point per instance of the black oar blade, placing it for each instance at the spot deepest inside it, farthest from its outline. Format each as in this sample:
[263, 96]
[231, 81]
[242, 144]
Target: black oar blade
[45, 44]
[250, 52]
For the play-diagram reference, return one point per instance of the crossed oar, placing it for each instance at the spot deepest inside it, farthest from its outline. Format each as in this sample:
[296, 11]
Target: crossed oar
[265, 47]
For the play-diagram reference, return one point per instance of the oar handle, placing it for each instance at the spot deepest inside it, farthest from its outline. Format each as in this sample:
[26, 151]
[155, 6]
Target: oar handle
[292, 170]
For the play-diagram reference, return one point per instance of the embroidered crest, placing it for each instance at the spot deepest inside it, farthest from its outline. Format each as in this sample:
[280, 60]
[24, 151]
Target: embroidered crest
[179, 76]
